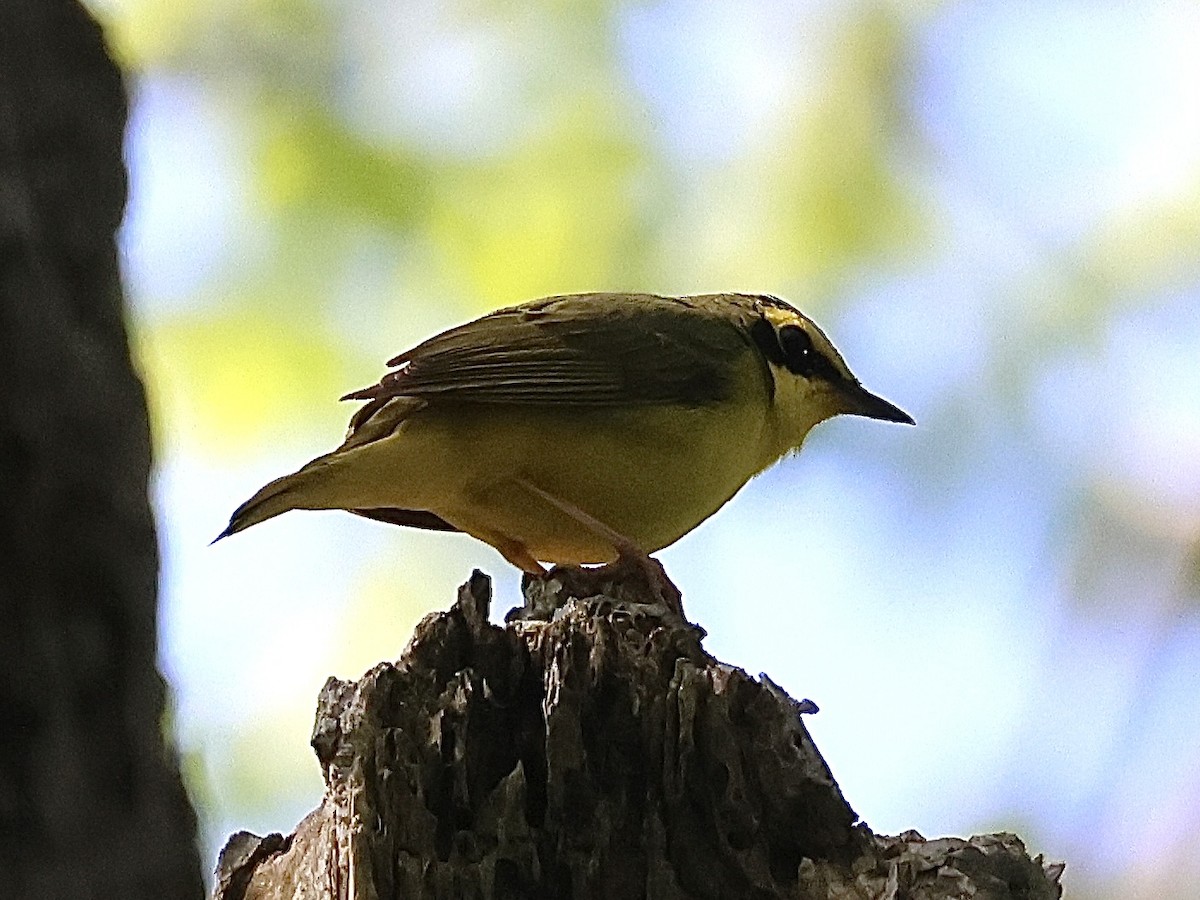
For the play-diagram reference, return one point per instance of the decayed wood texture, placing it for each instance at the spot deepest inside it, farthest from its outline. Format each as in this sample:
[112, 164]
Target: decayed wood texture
[91, 802]
[591, 749]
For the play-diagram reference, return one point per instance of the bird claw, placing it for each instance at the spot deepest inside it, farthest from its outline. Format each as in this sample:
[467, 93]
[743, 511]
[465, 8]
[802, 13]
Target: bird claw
[629, 582]
[632, 565]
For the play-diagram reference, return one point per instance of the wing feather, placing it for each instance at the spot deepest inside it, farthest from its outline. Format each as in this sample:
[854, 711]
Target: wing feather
[582, 350]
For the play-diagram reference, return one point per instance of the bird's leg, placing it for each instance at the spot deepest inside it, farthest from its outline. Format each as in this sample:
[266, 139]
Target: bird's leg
[518, 554]
[631, 559]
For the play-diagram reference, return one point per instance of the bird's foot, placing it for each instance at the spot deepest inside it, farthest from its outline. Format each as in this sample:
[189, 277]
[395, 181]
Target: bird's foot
[632, 567]
[634, 581]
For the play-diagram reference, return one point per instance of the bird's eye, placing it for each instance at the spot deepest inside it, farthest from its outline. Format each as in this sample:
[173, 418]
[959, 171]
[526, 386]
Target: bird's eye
[799, 355]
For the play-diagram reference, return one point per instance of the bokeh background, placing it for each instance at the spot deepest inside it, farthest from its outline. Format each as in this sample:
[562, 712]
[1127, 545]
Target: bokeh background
[992, 207]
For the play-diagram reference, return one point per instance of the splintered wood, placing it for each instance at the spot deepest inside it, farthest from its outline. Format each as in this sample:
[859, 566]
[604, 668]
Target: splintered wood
[588, 749]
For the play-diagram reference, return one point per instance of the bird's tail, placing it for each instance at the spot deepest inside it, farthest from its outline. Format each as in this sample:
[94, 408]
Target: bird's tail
[303, 489]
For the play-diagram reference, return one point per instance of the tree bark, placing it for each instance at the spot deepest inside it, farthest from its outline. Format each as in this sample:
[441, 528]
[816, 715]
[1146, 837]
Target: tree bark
[590, 749]
[91, 801]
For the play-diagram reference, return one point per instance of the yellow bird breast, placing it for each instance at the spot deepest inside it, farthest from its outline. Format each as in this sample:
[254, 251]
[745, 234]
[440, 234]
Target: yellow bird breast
[652, 473]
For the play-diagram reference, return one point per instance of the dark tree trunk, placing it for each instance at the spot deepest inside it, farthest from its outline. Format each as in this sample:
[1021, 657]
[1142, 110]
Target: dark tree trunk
[593, 753]
[91, 802]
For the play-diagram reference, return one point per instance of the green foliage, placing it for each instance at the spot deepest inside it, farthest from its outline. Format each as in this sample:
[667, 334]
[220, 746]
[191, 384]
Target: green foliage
[224, 384]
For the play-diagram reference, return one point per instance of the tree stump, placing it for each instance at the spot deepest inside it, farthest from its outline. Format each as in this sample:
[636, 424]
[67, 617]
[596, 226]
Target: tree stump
[589, 749]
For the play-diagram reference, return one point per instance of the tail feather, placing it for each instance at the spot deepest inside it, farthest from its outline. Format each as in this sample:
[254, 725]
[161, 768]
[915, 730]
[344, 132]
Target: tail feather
[290, 492]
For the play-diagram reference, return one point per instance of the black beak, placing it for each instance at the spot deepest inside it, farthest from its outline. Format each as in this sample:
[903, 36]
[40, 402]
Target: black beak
[861, 402]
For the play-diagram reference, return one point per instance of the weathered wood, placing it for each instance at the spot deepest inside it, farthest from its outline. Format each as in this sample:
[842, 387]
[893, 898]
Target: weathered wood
[599, 753]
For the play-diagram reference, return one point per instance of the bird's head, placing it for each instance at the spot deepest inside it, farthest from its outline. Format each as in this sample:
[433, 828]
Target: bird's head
[811, 381]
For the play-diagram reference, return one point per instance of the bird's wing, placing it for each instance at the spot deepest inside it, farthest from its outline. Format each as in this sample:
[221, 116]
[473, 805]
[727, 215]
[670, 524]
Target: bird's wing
[582, 350]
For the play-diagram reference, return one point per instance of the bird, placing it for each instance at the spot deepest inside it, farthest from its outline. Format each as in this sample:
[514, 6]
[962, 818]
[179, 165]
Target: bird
[580, 429]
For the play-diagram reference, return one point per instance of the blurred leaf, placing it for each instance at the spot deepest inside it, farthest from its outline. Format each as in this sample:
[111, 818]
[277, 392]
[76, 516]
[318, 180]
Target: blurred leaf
[839, 188]
[143, 32]
[568, 211]
[219, 37]
[1153, 247]
[389, 600]
[218, 384]
[265, 764]
[822, 191]
[312, 163]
